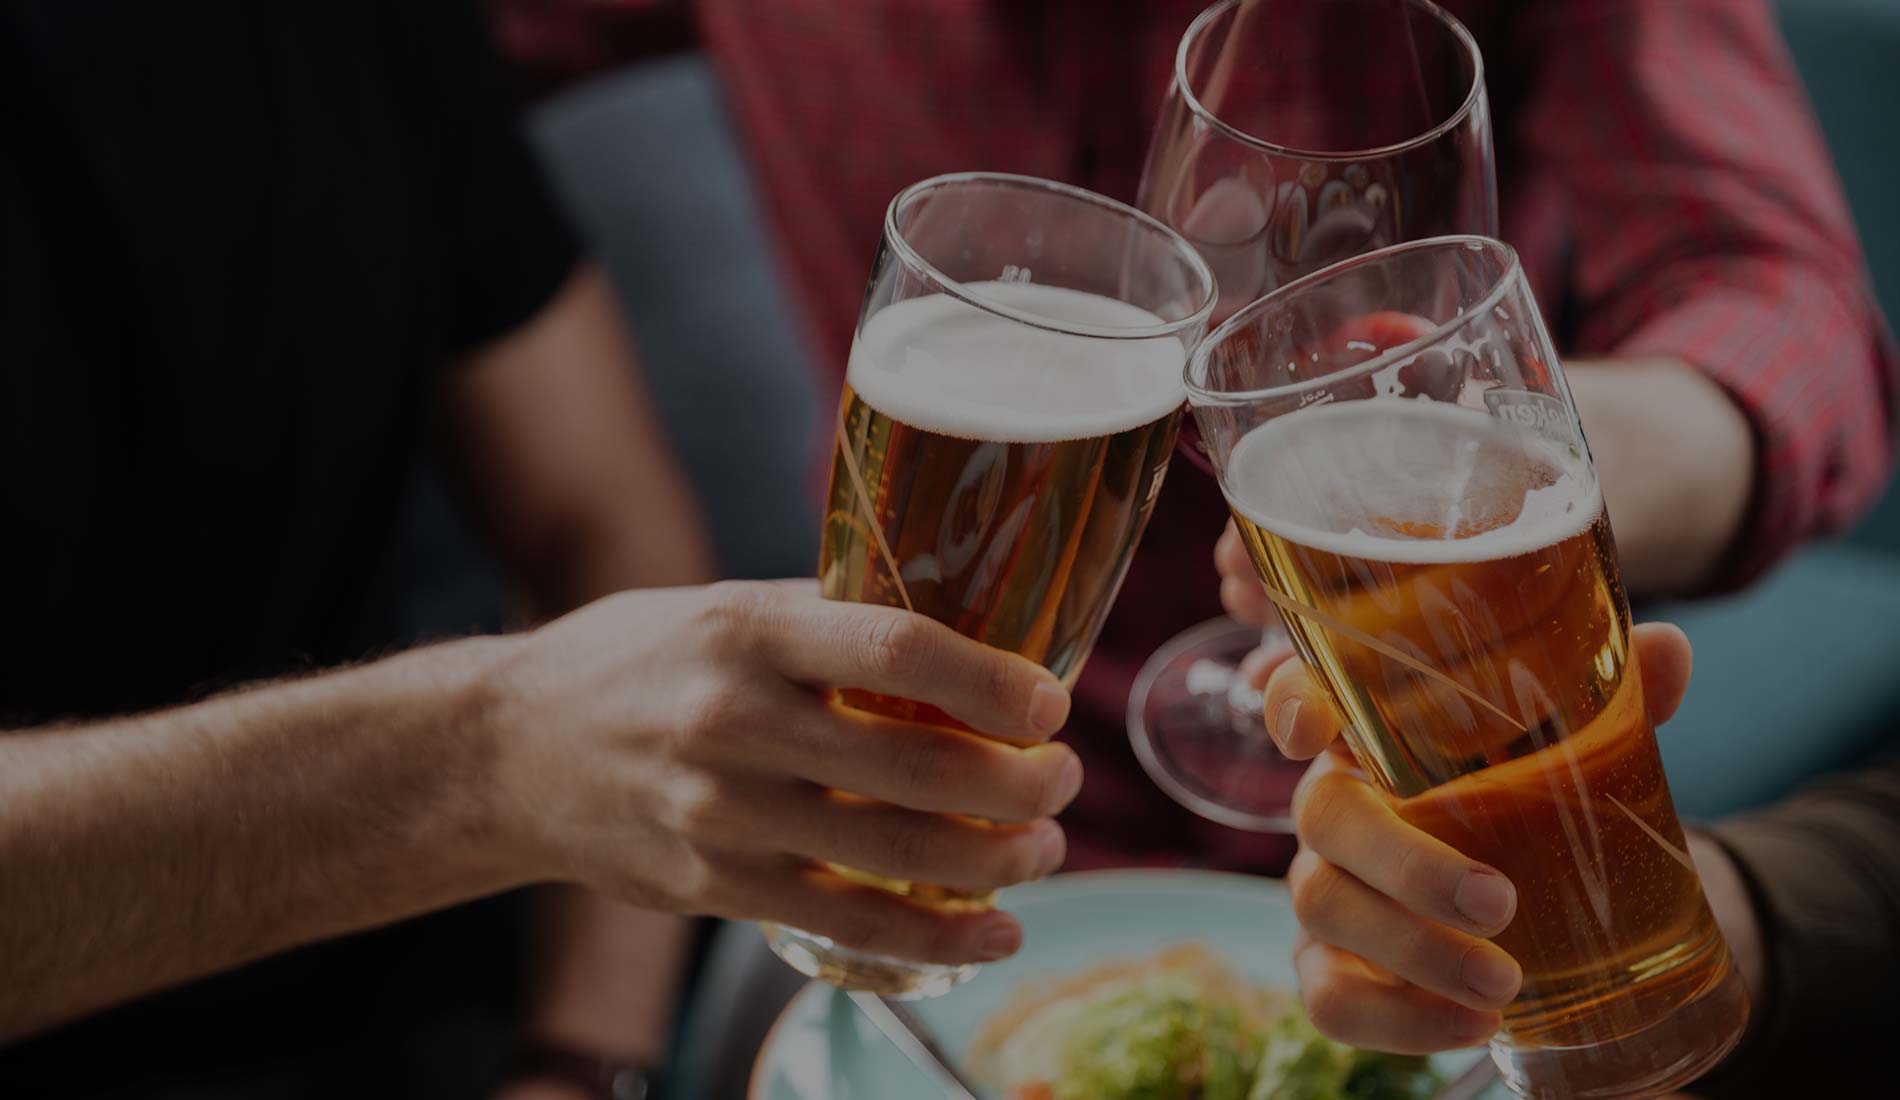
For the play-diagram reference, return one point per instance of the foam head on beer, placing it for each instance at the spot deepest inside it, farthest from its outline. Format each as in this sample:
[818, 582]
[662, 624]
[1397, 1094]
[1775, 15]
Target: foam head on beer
[1396, 480]
[942, 364]
[993, 468]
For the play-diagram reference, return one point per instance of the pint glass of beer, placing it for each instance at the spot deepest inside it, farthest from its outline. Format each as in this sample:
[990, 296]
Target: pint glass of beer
[1009, 408]
[1398, 447]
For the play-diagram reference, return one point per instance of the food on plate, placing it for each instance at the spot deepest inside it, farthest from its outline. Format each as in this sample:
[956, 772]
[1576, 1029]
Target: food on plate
[1181, 1025]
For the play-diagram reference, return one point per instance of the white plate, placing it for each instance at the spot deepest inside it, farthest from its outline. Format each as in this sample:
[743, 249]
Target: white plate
[822, 1049]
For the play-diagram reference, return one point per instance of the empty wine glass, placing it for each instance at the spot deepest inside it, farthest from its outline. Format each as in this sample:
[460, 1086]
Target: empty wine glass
[1295, 134]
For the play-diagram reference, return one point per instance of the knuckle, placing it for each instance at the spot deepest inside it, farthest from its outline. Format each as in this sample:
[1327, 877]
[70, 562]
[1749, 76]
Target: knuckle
[704, 810]
[944, 942]
[1419, 957]
[1316, 898]
[735, 609]
[1329, 1007]
[1319, 810]
[923, 763]
[1021, 790]
[910, 850]
[1045, 793]
[861, 929]
[1000, 860]
[1415, 875]
[1021, 861]
[720, 710]
[695, 879]
[897, 648]
[998, 679]
[1455, 1026]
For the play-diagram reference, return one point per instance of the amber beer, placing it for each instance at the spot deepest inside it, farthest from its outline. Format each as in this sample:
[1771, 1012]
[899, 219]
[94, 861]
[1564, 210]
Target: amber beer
[1452, 576]
[995, 477]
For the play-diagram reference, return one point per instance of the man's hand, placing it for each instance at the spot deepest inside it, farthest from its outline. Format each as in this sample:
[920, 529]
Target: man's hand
[1393, 952]
[671, 747]
[675, 749]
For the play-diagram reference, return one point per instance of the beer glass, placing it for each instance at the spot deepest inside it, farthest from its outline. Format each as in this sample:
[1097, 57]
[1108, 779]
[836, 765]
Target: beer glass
[1294, 133]
[1010, 405]
[1425, 515]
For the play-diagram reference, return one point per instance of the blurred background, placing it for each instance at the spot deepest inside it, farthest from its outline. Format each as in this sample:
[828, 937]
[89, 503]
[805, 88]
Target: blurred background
[627, 116]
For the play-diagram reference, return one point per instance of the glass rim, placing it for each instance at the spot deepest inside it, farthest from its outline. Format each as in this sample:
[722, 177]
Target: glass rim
[1451, 121]
[909, 255]
[1200, 395]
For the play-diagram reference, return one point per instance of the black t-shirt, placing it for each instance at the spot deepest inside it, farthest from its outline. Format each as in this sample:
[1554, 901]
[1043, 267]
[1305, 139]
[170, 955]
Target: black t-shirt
[239, 241]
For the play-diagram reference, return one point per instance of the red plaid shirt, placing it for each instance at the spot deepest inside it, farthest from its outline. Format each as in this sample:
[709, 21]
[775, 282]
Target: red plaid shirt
[1659, 171]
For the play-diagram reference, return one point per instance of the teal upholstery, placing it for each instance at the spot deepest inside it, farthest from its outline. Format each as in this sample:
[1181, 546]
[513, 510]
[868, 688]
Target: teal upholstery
[648, 167]
[1849, 55]
[1799, 676]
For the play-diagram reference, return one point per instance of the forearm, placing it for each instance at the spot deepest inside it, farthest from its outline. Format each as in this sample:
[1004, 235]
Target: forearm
[143, 852]
[565, 462]
[1676, 458]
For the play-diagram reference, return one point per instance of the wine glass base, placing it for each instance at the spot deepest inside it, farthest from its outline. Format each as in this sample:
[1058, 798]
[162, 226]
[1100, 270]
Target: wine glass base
[899, 979]
[1653, 1062]
[1196, 727]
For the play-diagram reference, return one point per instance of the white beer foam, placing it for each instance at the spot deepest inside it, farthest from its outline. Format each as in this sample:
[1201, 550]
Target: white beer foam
[1320, 476]
[946, 366]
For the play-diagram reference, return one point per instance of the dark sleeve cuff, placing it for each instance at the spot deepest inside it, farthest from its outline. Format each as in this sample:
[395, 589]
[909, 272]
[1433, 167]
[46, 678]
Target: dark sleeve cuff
[1823, 872]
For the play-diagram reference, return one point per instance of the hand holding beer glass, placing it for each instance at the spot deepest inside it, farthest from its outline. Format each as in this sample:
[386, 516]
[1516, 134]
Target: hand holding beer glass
[1009, 410]
[1426, 519]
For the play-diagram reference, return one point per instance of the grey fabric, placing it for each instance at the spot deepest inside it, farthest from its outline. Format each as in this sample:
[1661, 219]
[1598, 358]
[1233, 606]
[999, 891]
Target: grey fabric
[740, 993]
[647, 165]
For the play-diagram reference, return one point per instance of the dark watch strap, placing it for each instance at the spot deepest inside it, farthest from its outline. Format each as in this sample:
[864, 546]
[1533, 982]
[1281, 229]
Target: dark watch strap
[604, 1078]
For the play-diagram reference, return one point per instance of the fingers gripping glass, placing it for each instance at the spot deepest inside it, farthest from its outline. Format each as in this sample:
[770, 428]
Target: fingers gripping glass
[1294, 134]
[1428, 522]
[1009, 409]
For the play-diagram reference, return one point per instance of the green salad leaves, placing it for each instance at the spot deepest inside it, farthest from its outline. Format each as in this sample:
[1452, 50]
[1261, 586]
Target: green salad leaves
[1165, 1040]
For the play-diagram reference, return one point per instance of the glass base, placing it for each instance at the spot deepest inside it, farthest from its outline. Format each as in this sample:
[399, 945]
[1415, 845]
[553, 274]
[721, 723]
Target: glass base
[1195, 724]
[898, 979]
[1653, 1062]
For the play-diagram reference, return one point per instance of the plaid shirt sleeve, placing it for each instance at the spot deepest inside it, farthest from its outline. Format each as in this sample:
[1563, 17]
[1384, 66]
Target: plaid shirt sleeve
[1707, 225]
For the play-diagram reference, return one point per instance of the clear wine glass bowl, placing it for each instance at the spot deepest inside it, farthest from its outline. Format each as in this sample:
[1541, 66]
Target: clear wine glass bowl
[1295, 134]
